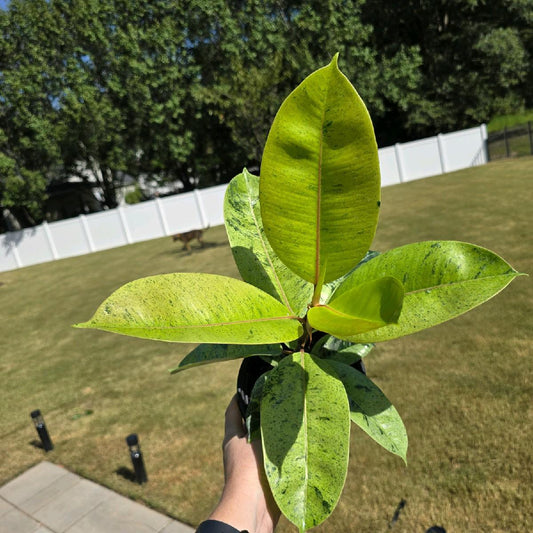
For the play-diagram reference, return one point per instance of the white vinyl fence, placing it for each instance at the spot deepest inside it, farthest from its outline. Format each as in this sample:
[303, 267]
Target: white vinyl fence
[201, 208]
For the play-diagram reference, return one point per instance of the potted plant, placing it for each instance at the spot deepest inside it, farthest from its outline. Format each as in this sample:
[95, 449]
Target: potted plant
[313, 299]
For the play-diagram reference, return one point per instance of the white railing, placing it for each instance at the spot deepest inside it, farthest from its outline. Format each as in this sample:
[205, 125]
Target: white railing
[201, 208]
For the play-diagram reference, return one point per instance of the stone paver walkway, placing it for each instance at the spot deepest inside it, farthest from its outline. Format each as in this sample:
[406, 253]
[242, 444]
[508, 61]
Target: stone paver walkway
[50, 499]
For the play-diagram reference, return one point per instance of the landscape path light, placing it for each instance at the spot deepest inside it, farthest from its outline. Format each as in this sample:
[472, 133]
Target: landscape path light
[137, 458]
[40, 426]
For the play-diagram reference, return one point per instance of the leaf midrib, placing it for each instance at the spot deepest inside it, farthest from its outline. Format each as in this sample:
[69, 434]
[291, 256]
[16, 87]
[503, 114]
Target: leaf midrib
[319, 184]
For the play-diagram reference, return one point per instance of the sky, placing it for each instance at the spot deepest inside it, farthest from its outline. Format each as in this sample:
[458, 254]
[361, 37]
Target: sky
[4, 4]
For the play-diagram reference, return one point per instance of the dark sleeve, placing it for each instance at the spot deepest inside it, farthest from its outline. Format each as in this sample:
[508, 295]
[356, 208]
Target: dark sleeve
[214, 526]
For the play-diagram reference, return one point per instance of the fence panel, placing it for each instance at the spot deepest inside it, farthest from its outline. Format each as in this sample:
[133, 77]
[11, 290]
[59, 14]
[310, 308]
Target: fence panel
[106, 229]
[8, 251]
[463, 147]
[70, 237]
[390, 174]
[514, 141]
[183, 212]
[421, 159]
[213, 204]
[33, 246]
[143, 221]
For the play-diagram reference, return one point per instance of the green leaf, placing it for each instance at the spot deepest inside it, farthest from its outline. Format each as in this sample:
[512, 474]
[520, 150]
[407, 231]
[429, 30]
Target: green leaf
[346, 347]
[305, 427]
[371, 410]
[190, 307]
[368, 306]
[351, 354]
[331, 287]
[212, 353]
[344, 351]
[257, 262]
[320, 183]
[441, 279]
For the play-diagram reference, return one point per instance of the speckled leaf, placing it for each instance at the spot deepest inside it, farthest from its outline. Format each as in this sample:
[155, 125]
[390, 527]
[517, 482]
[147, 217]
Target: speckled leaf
[257, 262]
[305, 427]
[441, 279]
[320, 183]
[212, 353]
[330, 347]
[329, 288]
[365, 307]
[346, 347]
[371, 410]
[190, 307]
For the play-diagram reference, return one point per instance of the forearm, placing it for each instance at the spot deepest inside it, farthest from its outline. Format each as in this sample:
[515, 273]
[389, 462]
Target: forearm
[246, 503]
[244, 509]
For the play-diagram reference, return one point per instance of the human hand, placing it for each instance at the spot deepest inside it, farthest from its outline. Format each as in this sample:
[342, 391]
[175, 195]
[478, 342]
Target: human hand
[246, 502]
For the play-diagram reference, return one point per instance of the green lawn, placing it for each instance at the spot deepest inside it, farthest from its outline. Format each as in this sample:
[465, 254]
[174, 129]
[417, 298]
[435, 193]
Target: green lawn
[464, 389]
[518, 141]
[502, 121]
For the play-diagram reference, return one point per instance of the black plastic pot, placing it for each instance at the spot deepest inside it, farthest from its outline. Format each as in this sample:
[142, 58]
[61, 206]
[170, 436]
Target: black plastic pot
[252, 368]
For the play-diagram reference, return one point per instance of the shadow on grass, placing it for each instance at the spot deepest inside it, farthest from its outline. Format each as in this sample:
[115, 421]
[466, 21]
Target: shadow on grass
[196, 249]
[126, 473]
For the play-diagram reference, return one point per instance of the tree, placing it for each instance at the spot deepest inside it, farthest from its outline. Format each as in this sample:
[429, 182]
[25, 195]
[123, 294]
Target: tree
[187, 90]
[475, 60]
[259, 50]
[127, 87]
[97, 86]
[29, 127]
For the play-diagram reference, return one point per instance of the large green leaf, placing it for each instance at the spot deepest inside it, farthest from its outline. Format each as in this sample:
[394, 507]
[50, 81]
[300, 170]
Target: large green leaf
[320, 184]
[371, 410]
[365, 307]
[441, 279]
[213, 353]
[329, 288]
[189, 307]
[305, 428]
[257, 262]
[343, 347]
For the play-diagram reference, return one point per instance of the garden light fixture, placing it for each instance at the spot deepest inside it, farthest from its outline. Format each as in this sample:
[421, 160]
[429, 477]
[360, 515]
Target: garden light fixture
[40, 426]
[137, 458]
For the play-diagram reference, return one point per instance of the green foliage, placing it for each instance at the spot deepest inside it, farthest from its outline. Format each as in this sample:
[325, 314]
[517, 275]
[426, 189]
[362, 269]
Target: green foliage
[134, 197]
[474, 62]
[187, 91]
[441, 280]
[211, 353]
[28, 130]
[371, 410]
[320, 163]
[368, 306]
[20, 187]
[257, 262]
[305, 429]
[165, 307]
[318, 190]
[500, 122]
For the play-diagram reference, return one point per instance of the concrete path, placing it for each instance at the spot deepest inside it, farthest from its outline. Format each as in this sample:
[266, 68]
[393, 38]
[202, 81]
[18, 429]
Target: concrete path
[50, 499]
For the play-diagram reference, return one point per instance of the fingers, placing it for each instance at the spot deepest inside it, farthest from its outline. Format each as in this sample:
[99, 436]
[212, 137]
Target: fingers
[233, 425]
